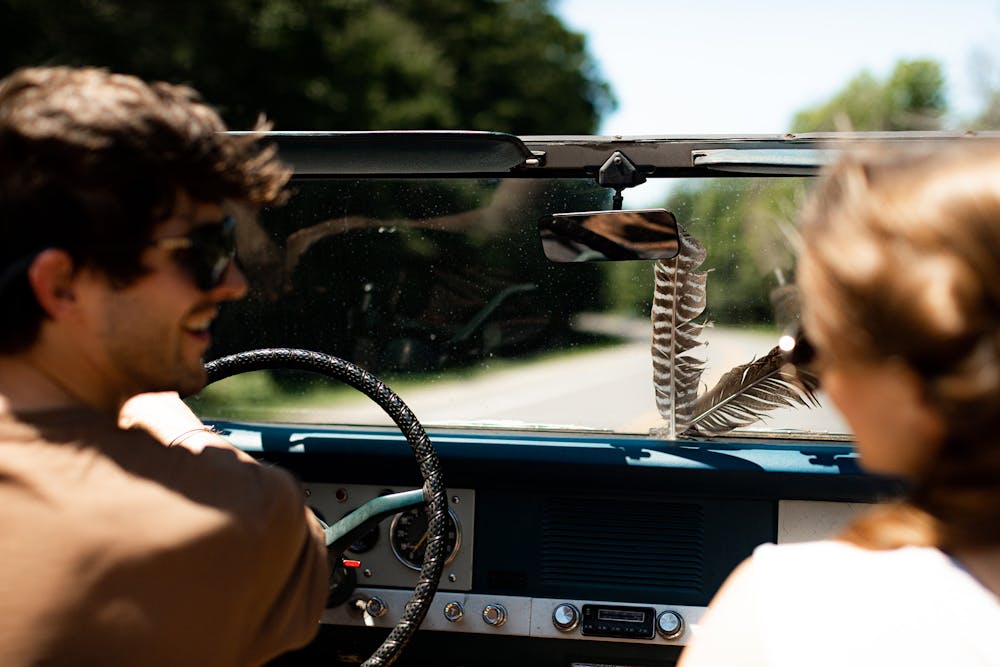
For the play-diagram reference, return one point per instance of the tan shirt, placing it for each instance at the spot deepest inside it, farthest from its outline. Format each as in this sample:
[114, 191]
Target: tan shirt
[115, 549]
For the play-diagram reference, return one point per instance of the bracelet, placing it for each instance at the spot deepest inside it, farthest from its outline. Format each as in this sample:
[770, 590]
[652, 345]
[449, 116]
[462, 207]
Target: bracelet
[186, 434]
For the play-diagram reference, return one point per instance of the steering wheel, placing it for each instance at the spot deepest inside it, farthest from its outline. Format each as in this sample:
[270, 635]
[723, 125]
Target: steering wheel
[340, 534]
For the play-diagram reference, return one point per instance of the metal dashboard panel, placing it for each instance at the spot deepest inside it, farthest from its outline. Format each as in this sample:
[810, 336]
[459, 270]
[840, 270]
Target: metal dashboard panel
[526, 617]
[807, 520]
[379, 565]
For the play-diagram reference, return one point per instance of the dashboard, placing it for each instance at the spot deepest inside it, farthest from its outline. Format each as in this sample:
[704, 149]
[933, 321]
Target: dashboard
[576, 550]
[587, 526]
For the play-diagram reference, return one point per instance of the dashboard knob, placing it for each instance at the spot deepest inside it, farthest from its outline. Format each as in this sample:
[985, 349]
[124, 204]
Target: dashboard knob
[566, 617]
[670, 624]
[376, 607]
[495, 614]
[453, 611]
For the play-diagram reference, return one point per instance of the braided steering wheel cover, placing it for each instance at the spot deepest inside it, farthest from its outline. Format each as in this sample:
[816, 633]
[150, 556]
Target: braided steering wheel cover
[430, 468]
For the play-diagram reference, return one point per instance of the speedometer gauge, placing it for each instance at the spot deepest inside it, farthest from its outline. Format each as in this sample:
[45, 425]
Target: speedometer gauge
[408, 537]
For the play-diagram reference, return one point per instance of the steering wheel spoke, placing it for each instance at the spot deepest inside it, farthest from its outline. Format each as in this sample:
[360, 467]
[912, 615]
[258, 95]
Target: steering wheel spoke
[341, 534]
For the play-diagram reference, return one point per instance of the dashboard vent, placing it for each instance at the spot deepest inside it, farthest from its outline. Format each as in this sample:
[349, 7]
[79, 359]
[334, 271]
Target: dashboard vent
[623, 543]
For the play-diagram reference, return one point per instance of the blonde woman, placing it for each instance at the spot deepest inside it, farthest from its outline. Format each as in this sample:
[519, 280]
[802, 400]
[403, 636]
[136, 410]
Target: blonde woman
[900, 278]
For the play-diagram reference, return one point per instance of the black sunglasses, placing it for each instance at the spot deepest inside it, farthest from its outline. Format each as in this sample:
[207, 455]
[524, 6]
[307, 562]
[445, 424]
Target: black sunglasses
[796, 348]
[205, 252]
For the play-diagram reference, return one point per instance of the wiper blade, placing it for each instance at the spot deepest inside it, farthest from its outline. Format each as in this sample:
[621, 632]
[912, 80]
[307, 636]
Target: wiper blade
[787, 161]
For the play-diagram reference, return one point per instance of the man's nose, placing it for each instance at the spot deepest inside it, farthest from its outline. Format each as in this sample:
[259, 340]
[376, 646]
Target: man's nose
[233, 285]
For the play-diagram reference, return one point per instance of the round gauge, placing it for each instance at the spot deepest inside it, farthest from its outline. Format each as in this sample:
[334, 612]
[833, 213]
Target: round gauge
[408, 537]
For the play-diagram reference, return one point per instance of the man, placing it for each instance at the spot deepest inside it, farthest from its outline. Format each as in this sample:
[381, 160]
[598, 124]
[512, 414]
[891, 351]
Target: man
[131, 533]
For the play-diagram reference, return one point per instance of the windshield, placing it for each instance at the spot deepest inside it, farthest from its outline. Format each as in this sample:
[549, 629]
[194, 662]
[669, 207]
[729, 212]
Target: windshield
[441, 288]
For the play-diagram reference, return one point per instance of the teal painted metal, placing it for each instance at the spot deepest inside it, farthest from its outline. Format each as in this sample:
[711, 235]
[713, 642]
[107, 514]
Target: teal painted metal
[373, 511]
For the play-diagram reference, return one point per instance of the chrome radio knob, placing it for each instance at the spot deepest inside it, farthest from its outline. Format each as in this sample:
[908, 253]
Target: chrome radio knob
[376, 607]
[495, 614]
[566, 617]
[453, 611]
[670, 624]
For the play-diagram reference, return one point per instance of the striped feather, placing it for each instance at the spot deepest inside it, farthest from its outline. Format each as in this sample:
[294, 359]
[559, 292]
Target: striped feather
[678, 299]
[746, 392]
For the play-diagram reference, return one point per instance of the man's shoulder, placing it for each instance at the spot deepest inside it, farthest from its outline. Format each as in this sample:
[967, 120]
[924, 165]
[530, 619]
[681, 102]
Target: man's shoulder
[88, 455]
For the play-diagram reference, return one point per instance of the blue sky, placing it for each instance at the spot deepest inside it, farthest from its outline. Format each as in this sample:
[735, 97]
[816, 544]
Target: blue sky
[711, 66]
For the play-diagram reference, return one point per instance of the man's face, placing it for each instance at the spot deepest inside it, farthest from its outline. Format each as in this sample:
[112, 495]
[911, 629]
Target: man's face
[151, 335]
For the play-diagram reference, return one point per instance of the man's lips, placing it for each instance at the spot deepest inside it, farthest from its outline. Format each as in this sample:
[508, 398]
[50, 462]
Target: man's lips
[199, 327]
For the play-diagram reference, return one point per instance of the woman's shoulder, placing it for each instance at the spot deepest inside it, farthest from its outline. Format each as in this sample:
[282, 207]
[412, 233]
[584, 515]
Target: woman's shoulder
[845, 556]
[847, 569]
[831, 602]
[907, 598]
[842, 551]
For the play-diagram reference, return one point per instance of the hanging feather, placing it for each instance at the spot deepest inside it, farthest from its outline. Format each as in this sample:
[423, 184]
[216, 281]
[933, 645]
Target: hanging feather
[678, 299]
[744, 393]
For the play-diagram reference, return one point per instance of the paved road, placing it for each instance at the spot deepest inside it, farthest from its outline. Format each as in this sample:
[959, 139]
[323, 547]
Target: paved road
[604, 389]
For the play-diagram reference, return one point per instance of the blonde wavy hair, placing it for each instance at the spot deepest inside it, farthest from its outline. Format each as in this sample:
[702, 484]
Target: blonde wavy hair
[901, 260]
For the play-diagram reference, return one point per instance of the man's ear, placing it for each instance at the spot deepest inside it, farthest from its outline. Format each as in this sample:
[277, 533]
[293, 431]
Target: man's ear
[52, 278]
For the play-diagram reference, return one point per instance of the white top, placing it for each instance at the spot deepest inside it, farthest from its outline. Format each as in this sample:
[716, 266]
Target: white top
[833, 603]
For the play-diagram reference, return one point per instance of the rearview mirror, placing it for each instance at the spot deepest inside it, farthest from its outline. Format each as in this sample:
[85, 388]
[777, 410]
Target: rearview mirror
[597, 236]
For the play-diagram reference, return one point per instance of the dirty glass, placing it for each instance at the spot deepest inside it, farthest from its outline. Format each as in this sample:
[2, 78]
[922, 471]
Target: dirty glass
[441, 288]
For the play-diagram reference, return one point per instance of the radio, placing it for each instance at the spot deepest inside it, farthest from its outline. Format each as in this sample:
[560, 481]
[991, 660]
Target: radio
[622, 622]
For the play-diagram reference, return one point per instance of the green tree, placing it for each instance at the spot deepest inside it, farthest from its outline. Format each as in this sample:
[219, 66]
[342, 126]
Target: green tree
[503, 65]
[985, 71]
[742, 235]
[744, 223]
[989, 116]
[912, 98]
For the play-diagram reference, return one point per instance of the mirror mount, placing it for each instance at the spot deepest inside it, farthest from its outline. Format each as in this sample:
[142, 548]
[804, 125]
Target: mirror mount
[618, 173]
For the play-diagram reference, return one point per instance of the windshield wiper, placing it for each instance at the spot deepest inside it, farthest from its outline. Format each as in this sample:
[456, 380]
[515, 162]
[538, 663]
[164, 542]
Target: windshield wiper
[787, 161]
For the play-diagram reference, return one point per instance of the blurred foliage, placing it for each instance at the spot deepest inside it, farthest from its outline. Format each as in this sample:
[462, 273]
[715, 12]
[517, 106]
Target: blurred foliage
[747, 225]
[985, 71]
[626, 288]
[413, 275]
[394, 292]
[501, 65]
[912, 98]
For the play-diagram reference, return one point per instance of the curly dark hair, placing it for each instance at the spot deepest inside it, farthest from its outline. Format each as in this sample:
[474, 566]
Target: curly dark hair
[91, 161]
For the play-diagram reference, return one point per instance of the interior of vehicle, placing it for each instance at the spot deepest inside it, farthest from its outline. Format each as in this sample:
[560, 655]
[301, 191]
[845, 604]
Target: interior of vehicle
[565, 421]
